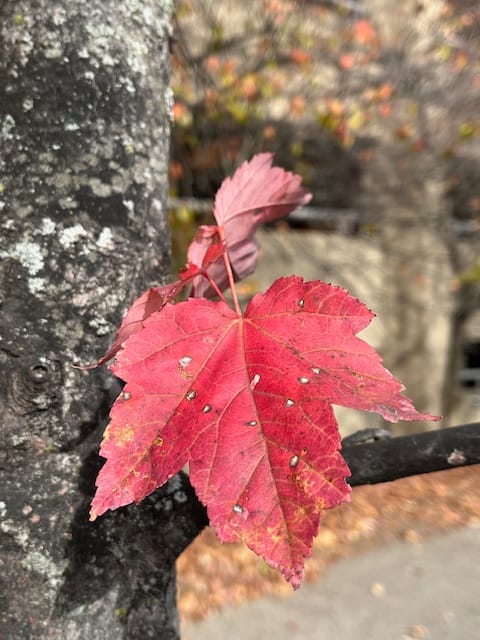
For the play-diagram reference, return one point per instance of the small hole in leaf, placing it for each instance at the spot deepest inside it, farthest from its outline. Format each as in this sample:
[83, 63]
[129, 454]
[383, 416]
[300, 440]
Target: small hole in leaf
[255, 380]
[191, 394]
[301, 303]
[207, 408]
[304, 380]
[238, 508]
[294, 460]
[289, 403]
[185, 361]
[126, 395]
[316, 370]
[252, 423]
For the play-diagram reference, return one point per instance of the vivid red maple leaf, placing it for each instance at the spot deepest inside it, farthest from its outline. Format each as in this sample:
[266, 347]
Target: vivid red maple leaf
[246, 400]
[256, 193]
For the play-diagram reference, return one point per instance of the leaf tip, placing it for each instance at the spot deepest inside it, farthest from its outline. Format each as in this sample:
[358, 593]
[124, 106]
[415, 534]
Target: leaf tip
[294, 576]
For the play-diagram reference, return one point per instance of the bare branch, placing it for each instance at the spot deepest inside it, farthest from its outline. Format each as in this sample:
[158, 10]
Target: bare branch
[393, 458]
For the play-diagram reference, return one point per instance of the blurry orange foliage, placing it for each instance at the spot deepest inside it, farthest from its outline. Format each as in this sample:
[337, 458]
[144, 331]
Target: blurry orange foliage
[365, 32]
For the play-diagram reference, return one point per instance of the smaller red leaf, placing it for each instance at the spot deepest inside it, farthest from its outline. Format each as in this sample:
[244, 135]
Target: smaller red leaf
[260, 189]
[256, 193]
[152, 300]
[155, 298]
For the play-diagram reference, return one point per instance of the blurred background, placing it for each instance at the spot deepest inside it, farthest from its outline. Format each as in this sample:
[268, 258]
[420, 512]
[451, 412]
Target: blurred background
[376, 103]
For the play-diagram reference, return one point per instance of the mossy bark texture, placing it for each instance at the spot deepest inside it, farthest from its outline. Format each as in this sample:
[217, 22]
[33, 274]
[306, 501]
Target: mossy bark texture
[84, 130]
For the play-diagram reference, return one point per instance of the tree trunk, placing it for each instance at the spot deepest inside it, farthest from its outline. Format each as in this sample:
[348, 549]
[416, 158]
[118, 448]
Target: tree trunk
[84, 129]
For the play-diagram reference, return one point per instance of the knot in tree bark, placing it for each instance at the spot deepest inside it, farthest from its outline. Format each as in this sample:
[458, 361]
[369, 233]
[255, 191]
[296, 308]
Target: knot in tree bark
[32, 384]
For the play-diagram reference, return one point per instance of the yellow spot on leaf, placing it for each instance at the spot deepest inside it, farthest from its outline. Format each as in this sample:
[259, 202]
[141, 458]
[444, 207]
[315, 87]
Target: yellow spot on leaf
[125, 436]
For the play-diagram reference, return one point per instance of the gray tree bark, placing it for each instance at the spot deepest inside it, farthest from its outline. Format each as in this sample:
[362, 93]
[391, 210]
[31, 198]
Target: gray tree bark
[84, 130]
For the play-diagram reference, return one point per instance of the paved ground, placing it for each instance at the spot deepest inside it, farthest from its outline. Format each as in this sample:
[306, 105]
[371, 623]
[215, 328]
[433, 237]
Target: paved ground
[400, 592]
